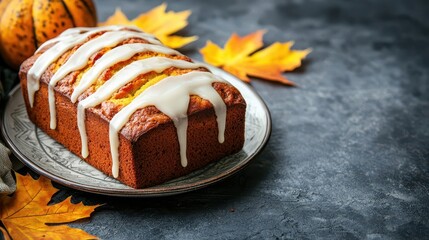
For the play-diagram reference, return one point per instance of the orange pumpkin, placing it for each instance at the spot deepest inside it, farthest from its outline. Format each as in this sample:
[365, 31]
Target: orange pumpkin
[26, 24]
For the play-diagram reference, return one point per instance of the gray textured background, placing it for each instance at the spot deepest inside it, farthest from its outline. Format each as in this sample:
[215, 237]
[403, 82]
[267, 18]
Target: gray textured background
[348, 156]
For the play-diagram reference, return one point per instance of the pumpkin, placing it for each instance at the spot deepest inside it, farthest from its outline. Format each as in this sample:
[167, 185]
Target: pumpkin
[26, 24]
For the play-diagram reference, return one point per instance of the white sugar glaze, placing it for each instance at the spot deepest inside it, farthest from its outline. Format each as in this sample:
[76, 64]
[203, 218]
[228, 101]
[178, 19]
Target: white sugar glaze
[73, 32]
[67, 40]
[118, 54]
[80, 57]
[170, 95]
[120, 79]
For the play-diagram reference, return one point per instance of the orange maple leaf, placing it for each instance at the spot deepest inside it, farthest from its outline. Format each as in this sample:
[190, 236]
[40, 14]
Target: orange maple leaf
[239, 57]
[158, 22]
[26, 213]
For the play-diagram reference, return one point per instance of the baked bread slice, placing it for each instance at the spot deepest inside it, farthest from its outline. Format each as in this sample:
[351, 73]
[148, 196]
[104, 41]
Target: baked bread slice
[129, 106]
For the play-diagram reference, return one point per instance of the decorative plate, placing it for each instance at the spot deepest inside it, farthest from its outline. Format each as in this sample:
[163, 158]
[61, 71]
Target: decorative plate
[49, 158]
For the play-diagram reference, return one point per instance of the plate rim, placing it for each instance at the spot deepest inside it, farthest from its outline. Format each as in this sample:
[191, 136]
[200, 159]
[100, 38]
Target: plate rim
[151, 191]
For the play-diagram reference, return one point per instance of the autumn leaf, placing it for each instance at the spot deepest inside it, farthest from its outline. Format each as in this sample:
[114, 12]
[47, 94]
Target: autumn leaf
[158, 22]
[26, 213]
[239, 57]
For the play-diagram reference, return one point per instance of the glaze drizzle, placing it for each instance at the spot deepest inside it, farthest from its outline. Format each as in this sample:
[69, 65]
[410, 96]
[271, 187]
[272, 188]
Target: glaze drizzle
[120, 79]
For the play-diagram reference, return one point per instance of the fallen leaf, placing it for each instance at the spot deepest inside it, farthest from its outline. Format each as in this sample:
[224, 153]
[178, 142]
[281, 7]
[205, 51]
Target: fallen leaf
[241, 58]
[26, 213]
[158, 22]
[118, 18]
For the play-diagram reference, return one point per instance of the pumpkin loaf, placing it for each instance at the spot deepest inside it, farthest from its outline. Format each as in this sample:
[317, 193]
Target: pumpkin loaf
[129, 106]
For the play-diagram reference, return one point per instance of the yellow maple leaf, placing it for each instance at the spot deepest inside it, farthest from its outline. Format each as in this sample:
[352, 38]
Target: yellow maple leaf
[239, 57]
[26, 213]
[158, 22]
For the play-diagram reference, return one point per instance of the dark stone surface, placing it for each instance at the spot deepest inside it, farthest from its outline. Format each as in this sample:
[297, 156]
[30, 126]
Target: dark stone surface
[349, 153]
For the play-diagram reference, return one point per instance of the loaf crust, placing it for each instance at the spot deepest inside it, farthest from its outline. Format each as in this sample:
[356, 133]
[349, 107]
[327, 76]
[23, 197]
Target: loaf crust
[149, 148]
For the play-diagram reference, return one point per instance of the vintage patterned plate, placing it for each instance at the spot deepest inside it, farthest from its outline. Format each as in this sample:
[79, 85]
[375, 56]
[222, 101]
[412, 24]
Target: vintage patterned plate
[47, 157]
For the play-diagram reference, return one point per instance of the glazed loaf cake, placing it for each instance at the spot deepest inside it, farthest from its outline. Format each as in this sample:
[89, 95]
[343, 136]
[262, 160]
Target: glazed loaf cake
[129, 106]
